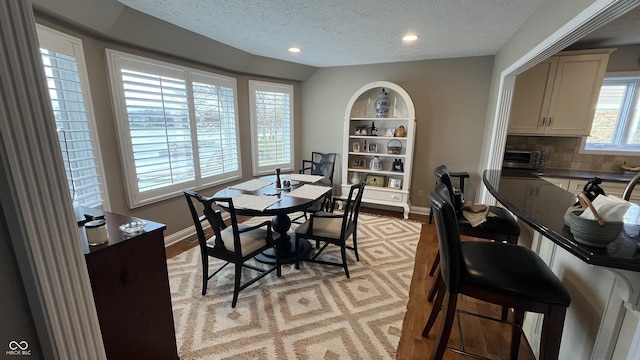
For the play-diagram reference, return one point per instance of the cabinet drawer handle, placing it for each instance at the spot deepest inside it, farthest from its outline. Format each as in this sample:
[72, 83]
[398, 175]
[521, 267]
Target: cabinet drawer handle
[544, 119]
[550, 120]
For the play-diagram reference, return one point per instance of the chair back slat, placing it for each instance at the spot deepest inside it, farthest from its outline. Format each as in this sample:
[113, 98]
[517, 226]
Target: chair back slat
[451, 264]
[323, 164]
[197, 219]
[214, 217]
[352, 209]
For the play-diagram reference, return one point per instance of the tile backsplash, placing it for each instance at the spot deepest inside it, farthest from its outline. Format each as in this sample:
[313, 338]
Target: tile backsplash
[563, 153]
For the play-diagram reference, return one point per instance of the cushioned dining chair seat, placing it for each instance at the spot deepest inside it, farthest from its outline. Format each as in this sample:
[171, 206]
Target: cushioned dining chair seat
[502, 223]
[511, 270]
[250, 241]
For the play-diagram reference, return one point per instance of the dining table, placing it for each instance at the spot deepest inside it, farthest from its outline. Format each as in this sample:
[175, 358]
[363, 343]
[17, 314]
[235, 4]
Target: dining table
[261, 197]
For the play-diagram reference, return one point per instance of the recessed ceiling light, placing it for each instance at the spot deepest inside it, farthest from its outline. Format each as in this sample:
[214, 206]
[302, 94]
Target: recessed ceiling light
[410, 38]
[294, 49]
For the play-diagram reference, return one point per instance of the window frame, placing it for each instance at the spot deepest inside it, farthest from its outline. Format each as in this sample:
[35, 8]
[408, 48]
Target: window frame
[254, 86]
[63, 43]
[116, 60]
[627, 108]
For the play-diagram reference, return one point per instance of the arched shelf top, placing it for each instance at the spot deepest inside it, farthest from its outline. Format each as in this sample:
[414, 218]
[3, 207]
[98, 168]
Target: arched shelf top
[402, 105]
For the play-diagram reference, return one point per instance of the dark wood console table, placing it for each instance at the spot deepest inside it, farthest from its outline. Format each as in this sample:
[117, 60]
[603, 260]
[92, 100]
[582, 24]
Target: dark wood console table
[130, 287]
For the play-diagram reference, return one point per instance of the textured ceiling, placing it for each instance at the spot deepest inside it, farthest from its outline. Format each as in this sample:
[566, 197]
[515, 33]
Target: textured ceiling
[348, 32]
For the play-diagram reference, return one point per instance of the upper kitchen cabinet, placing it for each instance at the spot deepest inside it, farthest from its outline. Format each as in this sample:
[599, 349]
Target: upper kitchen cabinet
[559, 95]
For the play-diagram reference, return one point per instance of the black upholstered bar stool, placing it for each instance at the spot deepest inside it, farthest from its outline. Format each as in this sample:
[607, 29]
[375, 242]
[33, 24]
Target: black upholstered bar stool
[501, 227]
[499, 273]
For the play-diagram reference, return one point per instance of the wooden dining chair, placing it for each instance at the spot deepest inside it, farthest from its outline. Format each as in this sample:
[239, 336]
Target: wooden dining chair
[322, 164]
[333, 228]
[500, 273]
[236, 243]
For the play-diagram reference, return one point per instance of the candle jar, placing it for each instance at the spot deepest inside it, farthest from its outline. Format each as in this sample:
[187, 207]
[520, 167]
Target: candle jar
[96, 232]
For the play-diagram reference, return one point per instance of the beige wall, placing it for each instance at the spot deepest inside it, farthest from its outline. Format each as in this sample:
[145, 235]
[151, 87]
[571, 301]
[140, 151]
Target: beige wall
[172, 212]
[450, 97]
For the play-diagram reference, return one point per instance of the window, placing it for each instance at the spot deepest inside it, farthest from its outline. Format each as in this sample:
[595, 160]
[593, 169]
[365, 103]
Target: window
[65, 72]
[271, 126]
[178, 127]
[616, 127]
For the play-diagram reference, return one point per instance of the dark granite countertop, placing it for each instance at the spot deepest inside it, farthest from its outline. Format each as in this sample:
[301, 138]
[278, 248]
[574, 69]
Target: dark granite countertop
[547, 217]
[582, 174]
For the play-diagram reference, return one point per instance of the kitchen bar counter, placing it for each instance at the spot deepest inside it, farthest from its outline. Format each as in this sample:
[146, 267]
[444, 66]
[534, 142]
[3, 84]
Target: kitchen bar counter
[603, 320]
[509, 187]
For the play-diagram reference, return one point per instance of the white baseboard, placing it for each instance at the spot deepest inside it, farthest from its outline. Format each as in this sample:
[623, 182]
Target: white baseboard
[420, 210]
[186, 232]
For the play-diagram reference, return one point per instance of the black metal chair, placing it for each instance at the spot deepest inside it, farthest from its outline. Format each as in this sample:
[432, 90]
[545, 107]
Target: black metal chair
[332, 228]
[499, 273]
[235, 244]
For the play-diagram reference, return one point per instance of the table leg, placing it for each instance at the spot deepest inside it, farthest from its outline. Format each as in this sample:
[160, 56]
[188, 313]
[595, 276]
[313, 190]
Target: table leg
[287, 252]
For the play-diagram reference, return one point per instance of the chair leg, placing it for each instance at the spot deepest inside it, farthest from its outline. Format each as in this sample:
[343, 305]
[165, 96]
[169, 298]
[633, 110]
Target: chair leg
[205, 273]
[434, 266]
[430, 215]
[516, 332]
[505, 313]
[447, 323]
[236, 286]
[436, 287]
[552, 333]
[355, 245]
[343, 251]
[297, 248]
[512, 239]
[435, 310]
[278, 264]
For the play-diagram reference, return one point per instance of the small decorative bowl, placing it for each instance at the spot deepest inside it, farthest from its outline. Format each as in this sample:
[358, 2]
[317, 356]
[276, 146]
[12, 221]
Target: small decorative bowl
[134, 227]
[588, 232]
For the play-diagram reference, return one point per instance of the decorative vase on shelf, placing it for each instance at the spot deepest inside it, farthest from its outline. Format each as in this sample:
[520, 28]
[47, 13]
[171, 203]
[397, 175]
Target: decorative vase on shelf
[355, 177]
[382, 104]
[375, 164]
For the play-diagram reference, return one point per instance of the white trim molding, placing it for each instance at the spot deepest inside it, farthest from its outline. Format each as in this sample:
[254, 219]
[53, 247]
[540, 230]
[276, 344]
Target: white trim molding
[35, 199]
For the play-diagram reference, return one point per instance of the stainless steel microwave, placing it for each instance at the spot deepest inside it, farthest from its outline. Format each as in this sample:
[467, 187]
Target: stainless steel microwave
[521, 159]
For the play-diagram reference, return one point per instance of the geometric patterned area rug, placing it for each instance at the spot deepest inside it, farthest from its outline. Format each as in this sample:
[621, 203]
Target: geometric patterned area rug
[311, 313]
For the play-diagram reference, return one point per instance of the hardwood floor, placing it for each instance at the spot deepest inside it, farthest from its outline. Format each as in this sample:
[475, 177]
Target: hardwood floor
[481, 337]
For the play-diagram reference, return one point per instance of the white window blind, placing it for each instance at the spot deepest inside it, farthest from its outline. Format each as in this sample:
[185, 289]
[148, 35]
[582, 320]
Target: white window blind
[272, 126]
[177, 126]
[64, 70]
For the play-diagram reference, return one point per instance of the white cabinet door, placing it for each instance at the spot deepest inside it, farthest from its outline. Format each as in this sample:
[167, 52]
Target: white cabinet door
[562, 183]
[558, 96]
[575, 92]
[531, 98]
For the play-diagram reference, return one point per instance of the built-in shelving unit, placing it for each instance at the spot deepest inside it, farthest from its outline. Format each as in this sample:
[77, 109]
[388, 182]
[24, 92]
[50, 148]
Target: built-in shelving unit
[367, 136]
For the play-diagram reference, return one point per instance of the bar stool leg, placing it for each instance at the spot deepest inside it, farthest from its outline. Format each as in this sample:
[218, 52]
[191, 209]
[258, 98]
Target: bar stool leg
[516, 332]
[447, 323]
[436, 287]
[435, 310]
[434, 266]
[552, 332]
